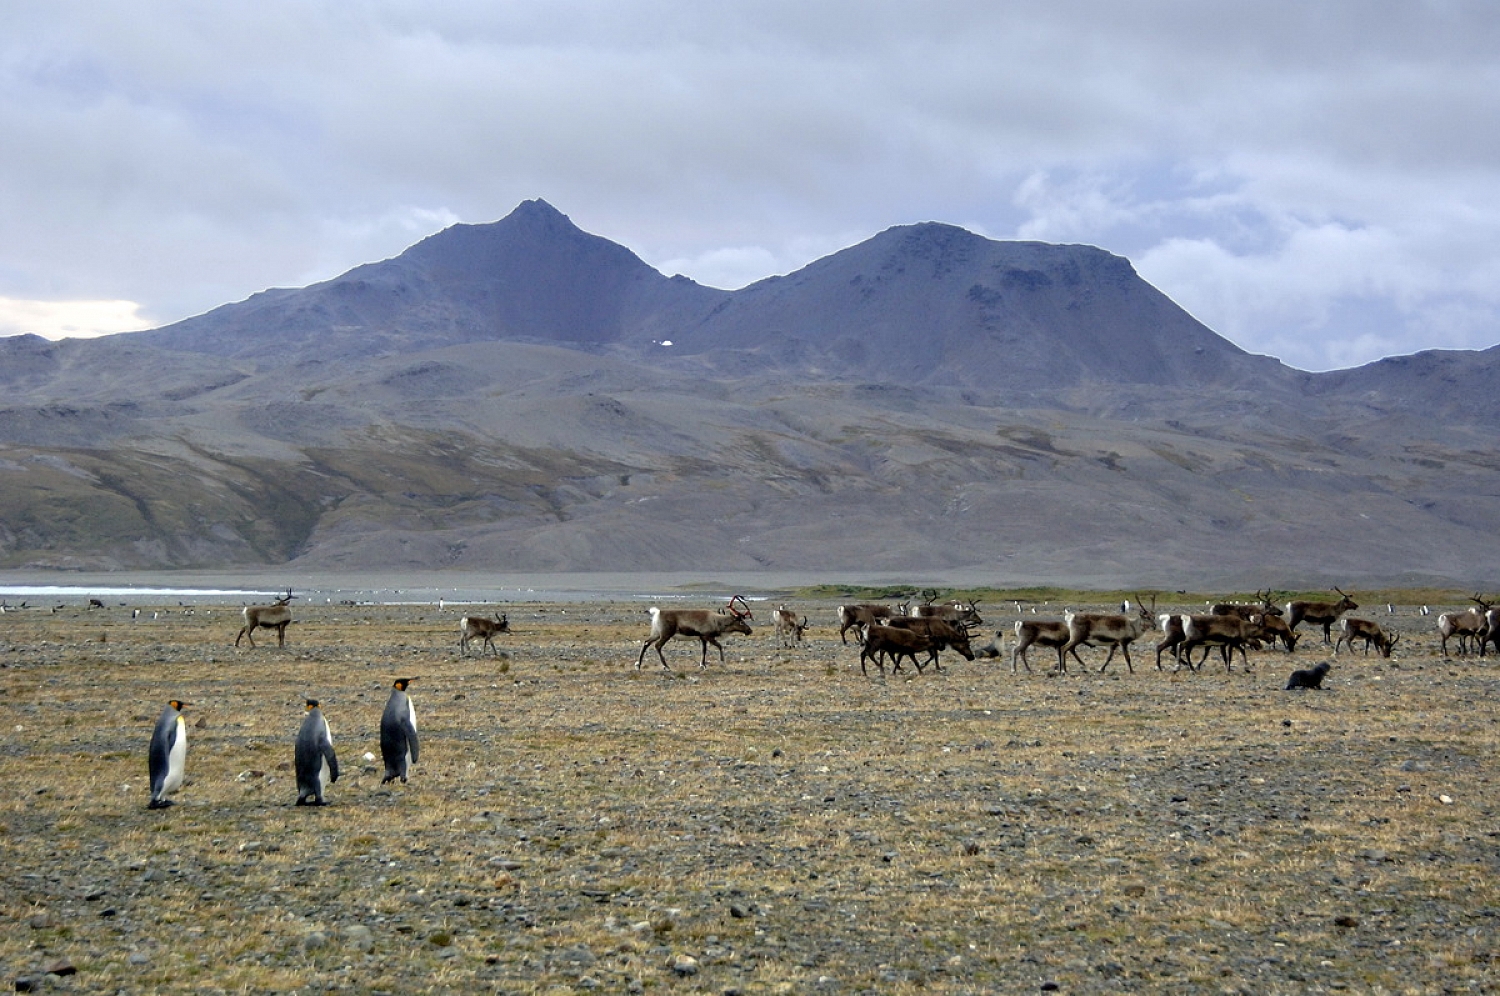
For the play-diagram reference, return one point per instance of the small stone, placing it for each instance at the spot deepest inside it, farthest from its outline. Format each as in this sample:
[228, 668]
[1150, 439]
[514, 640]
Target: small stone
[139, 958]
[40, 921]
[1346, 921]
[684, 965]
[359, 937]
[314, 940]
[1446, 800]
[61, 966]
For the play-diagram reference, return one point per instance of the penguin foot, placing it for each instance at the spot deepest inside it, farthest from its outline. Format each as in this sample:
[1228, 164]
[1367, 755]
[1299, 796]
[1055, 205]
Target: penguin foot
[160, 804]
[308, 800]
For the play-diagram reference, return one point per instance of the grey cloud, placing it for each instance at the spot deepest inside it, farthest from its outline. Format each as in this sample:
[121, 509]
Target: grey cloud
[182, 157]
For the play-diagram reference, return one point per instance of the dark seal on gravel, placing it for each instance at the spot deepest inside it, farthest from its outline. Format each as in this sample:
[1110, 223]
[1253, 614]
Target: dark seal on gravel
[1308, 677]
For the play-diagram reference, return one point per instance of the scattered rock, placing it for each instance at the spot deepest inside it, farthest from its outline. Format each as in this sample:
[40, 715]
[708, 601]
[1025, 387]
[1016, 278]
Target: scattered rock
[359, 937]
[684, 965]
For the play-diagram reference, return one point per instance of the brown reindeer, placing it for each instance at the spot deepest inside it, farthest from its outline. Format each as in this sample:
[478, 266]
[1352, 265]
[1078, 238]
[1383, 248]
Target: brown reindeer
[1245, 611]
[1117, 630]
[1465, 624]
[1363, 629]
[275, 616]
[859, 615]
[788, 630]
[705, 625]
[480, 628]
[1324, 614]
[1042, 633]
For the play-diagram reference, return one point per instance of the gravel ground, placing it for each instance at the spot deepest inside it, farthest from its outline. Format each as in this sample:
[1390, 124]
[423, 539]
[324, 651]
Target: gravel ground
[776, 824]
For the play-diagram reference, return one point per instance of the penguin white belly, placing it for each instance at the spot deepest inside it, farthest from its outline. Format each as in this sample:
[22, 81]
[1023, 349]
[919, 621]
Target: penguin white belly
[176, 760]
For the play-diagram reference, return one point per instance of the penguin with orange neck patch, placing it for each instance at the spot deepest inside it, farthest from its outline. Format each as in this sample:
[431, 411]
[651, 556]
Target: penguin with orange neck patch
[166, 758]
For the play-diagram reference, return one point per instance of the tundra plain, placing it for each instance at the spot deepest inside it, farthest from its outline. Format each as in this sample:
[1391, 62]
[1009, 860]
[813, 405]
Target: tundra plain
[776, 824]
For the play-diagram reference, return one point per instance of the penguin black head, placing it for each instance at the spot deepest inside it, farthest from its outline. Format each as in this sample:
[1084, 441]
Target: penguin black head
[312, 704]
[175, 704]
[400, 683]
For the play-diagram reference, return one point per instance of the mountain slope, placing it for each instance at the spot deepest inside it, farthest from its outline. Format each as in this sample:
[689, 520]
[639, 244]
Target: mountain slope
[502, 396]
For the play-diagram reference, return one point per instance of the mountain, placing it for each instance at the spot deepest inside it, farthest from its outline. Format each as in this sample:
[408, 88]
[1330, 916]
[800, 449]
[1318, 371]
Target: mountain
[523, 395]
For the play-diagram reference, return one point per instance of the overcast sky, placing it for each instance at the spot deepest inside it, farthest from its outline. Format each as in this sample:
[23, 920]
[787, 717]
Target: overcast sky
[1319, 181]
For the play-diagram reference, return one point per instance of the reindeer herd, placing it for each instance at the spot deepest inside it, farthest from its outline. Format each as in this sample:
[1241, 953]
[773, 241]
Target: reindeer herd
[893, 634]
[916, 633]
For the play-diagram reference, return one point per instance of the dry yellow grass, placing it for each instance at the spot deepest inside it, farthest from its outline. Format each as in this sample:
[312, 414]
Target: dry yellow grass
[778, 824]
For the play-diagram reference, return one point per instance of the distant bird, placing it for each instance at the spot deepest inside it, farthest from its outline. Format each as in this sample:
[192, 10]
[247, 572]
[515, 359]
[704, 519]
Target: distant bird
[166, 758]
[317, 764]
[398, 732]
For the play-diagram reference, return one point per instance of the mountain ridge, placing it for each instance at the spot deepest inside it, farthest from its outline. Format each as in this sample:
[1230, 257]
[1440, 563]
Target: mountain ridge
[505, 396]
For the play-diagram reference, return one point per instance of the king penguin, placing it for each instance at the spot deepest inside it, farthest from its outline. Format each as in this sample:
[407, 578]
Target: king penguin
[317, 764]
[167, 757]
[398, 732]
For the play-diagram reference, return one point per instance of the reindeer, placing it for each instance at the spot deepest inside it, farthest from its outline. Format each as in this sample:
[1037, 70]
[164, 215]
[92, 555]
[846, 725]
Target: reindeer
[1116, 630]
[1470, 622]
[1273, 628]
[898, 642]
[480, 628]
[1042, 633]
[1491, 631]
[1265, 608]
[941, 633]
[705, 625]
[1362, 629]
[1228, 633]
[788, 629]
[954, 612]
[1323, 613]
[275, 616]
[860, 615]
[1170, 624]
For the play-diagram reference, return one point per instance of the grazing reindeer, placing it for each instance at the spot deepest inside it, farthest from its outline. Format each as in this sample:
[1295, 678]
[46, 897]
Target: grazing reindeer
[1042, 633]
[1323, 613]
[896, 641]
[858, 616]
[1274, 628]
[1362, 629]
[942, 634]
[1470, 622]
[788, 629]
[480, 628]
[1116, 630]
[275, 616]
[705, 625]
